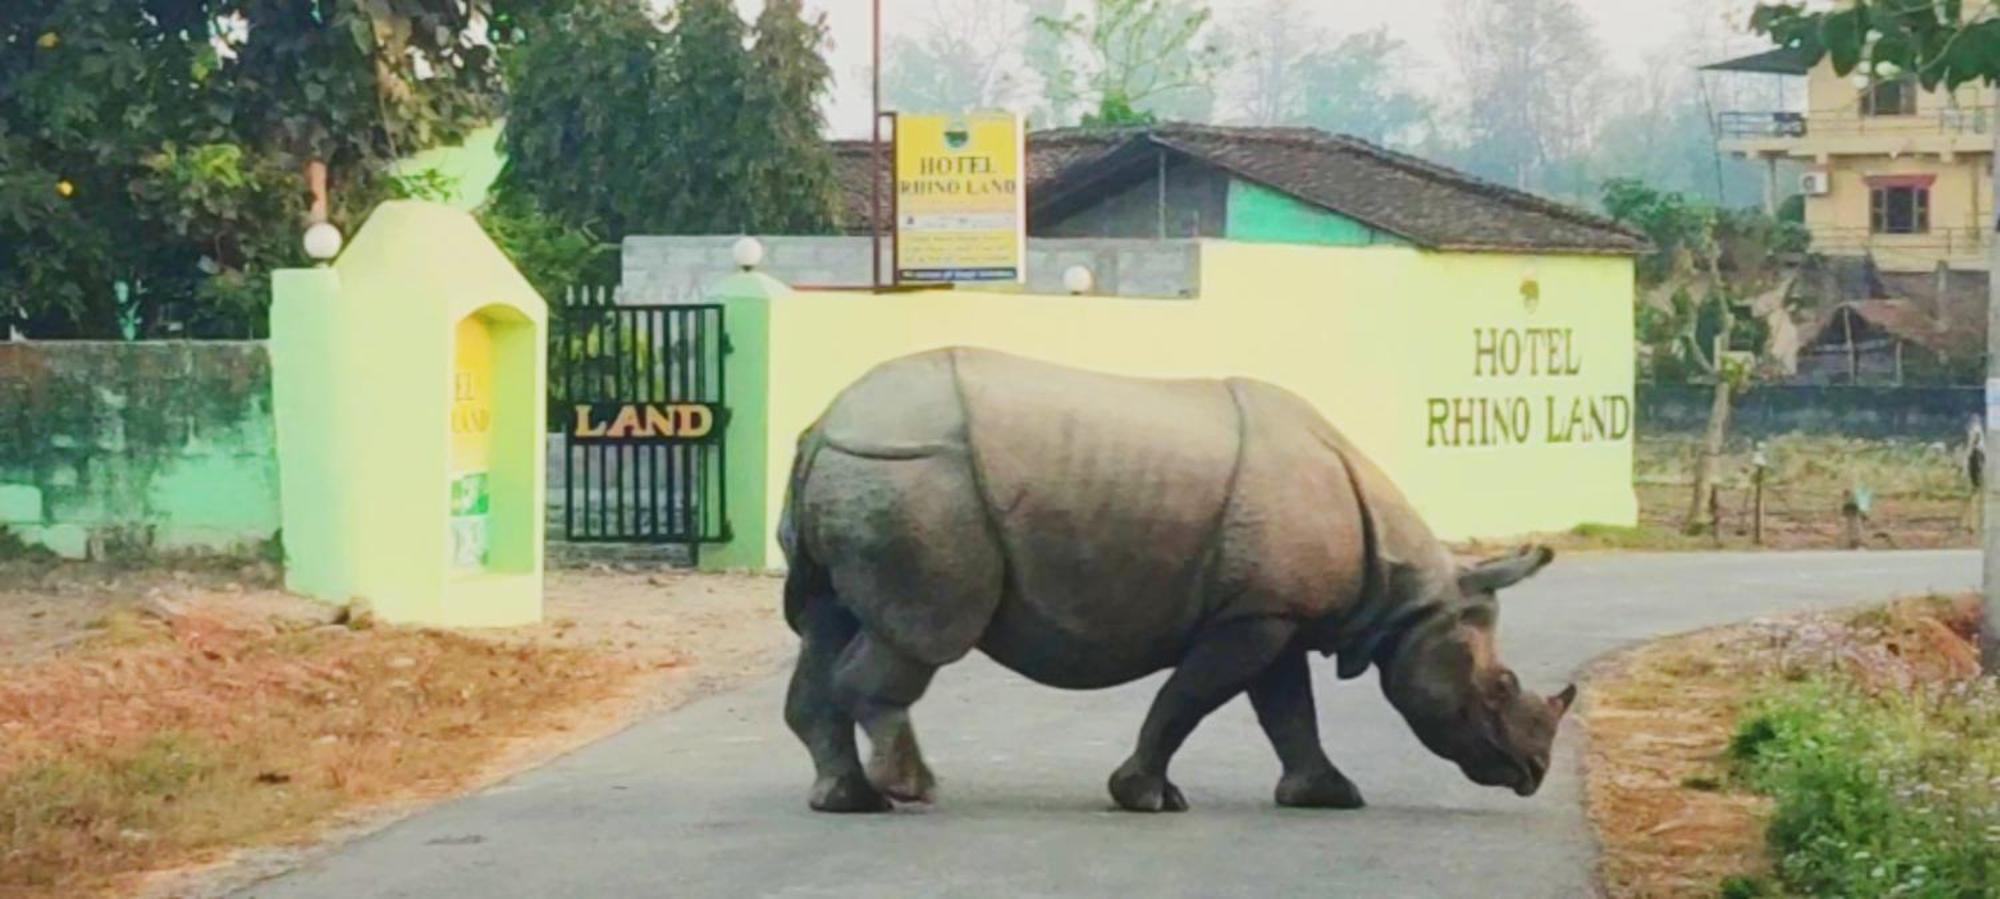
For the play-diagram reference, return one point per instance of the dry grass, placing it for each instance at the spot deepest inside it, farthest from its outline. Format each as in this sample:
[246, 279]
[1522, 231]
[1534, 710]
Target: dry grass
[1922, 499]
[1670, 820]
[161, 742]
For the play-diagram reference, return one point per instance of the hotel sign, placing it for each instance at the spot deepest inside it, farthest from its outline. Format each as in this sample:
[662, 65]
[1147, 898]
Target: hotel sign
[959, 198]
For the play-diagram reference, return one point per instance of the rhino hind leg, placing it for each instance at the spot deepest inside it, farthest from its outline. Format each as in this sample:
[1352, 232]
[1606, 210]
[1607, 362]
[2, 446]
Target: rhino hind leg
[821, 723]
[1222, 663]
[877, 684]
[1283, 698]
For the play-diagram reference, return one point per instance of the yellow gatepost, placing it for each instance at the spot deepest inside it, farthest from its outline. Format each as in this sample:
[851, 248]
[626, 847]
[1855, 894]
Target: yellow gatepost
[408, 384]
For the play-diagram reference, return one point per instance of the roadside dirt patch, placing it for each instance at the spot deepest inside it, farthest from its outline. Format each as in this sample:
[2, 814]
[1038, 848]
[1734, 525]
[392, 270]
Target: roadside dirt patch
[1669, 819]
[153, 721]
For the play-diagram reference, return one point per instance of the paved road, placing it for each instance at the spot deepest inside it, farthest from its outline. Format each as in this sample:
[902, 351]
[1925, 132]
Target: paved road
[710, 800]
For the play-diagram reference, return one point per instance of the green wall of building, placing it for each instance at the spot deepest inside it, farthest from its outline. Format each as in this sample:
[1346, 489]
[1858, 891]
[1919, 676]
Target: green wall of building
[1258, 214]
[110, 449]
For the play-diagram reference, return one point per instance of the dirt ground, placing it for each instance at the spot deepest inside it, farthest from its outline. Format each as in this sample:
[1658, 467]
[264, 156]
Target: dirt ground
[104, 672]
[1669, 820]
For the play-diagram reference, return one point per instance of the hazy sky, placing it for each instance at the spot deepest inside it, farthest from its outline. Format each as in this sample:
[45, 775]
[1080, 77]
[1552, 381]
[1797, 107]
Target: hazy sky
[1628, 29]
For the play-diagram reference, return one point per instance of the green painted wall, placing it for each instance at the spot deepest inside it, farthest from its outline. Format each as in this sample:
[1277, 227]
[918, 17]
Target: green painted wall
[1258, 214]
[122, 449]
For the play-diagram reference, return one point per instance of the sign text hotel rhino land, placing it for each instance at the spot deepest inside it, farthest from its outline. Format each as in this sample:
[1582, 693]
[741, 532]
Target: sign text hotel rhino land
[1551, 418]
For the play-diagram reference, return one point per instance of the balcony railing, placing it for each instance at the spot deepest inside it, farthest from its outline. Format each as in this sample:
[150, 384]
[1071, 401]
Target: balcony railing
[1943, 243]
[1849, 123]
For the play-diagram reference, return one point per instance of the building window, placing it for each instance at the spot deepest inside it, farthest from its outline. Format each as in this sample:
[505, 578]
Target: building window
[1896, 96]
[1899, 210]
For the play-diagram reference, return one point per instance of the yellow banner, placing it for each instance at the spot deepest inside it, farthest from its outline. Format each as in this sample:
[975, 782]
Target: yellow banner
[471, 441]
[960, 194]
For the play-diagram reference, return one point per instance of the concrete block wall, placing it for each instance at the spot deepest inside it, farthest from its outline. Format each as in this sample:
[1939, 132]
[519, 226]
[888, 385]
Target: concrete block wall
[683, 269]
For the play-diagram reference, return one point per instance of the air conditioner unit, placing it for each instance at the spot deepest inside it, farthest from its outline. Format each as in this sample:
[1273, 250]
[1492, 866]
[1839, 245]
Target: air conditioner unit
[1815, 184]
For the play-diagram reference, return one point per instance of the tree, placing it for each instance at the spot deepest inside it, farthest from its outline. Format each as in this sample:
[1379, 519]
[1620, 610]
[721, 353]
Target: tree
[1528, 78]
[794, 186]
[1292, 73]
[150, 154]
[1944, 43]
[583, 112]
[963, 57]
[1710, 275]
[622, 124]
[1356, 88]
[1131, 60]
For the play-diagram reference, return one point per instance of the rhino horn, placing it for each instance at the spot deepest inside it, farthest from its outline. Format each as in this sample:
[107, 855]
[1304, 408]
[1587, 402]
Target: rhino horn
[1493, 575]
[1561, 702]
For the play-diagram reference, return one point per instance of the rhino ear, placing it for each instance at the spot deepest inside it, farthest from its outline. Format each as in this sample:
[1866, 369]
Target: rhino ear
[1498, 574]
[1561, 702]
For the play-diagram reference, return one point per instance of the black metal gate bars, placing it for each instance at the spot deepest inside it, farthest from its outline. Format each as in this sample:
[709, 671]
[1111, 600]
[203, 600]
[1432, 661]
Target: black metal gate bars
[637, 393]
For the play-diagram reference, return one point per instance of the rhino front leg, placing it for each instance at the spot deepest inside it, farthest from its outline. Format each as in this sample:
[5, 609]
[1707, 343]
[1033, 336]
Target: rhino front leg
[1222, 664]
[820, 722]
[878, 683]
[1283, 698]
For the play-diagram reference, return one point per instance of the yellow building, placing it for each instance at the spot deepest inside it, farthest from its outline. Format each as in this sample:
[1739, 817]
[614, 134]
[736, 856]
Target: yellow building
[1891, 170]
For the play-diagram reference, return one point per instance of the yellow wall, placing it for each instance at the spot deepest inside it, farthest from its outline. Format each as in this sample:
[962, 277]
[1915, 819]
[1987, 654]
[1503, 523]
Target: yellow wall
[1833, 96]
[1961, 200]
[1369, 335]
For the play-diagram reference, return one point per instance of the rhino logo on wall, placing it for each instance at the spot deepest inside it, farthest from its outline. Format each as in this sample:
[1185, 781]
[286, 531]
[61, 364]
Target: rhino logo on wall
[1087, 530]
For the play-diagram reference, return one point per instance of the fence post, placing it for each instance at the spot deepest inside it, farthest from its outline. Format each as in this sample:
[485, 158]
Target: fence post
[752, 478]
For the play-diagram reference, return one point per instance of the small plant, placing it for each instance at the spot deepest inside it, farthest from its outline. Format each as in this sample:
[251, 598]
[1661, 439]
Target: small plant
[1888, 793]
[1742, 887]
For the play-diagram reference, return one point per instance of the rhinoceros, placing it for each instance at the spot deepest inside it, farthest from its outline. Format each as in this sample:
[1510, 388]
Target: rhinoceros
[1086, 530]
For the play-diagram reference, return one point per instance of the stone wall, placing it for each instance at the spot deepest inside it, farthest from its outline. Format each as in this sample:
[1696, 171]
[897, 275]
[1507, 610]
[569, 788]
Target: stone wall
[681, 269]
[1909, 413]
[124, 449]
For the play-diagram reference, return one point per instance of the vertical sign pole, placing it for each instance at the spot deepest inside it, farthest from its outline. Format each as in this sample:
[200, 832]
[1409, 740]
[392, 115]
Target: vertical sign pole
[895, 207]
[875, 143]
[1989, 630]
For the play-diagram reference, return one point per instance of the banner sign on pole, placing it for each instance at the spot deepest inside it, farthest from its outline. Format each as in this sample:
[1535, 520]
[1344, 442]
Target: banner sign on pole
[960, 195]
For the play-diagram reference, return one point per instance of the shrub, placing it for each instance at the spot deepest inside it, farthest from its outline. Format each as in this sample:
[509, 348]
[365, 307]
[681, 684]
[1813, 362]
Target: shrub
[1878, 795]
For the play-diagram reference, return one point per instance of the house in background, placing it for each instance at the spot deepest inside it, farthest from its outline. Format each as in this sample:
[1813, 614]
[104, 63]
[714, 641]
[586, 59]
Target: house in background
[1906, 328]
[1892, 171]
[1264, 185]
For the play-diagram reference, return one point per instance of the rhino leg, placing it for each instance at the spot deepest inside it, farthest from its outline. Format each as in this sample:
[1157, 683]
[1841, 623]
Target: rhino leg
[877, 684]
[1283, 698]
[821, 723]
[1222, 664]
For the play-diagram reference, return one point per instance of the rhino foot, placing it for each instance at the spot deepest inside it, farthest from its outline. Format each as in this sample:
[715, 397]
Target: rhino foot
[1143, 791]
[1318, 788]
[903, 775]
[849, 793]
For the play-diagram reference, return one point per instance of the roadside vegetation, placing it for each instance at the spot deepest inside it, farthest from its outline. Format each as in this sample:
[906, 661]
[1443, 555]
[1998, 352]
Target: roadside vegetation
[1819, 755]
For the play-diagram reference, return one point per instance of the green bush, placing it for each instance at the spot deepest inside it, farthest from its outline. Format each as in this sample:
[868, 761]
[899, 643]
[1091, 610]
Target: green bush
[1896, 794]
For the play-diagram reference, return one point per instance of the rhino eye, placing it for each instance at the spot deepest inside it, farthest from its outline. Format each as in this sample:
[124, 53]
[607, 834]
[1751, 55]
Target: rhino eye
[1509, 685]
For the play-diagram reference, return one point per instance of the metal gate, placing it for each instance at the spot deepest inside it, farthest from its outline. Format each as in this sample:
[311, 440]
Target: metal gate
[637, 393]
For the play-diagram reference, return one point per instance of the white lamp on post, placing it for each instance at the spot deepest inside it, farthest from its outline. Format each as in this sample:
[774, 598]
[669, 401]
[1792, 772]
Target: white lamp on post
[1077, 279]
[748, 252]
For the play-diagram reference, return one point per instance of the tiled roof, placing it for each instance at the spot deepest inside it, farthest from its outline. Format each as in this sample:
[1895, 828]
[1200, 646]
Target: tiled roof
[1428, 204]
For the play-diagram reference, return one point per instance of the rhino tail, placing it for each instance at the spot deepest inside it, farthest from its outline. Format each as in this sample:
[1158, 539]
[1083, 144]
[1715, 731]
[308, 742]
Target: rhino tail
[805, 577]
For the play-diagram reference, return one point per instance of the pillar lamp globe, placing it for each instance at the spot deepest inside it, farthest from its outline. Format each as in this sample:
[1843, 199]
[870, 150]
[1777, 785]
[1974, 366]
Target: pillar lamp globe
[1077, 279]
[748, 253]
[322, 242]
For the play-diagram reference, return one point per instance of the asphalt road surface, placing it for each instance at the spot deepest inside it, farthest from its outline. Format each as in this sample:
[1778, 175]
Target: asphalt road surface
[710, 800]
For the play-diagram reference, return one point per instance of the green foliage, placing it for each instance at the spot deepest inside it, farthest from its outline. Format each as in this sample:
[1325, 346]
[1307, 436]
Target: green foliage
[1705, 269]
[150, 152]
[619, 125]
[1944, 42]
[1128, 61]
[1877, 794]
[554, 257]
